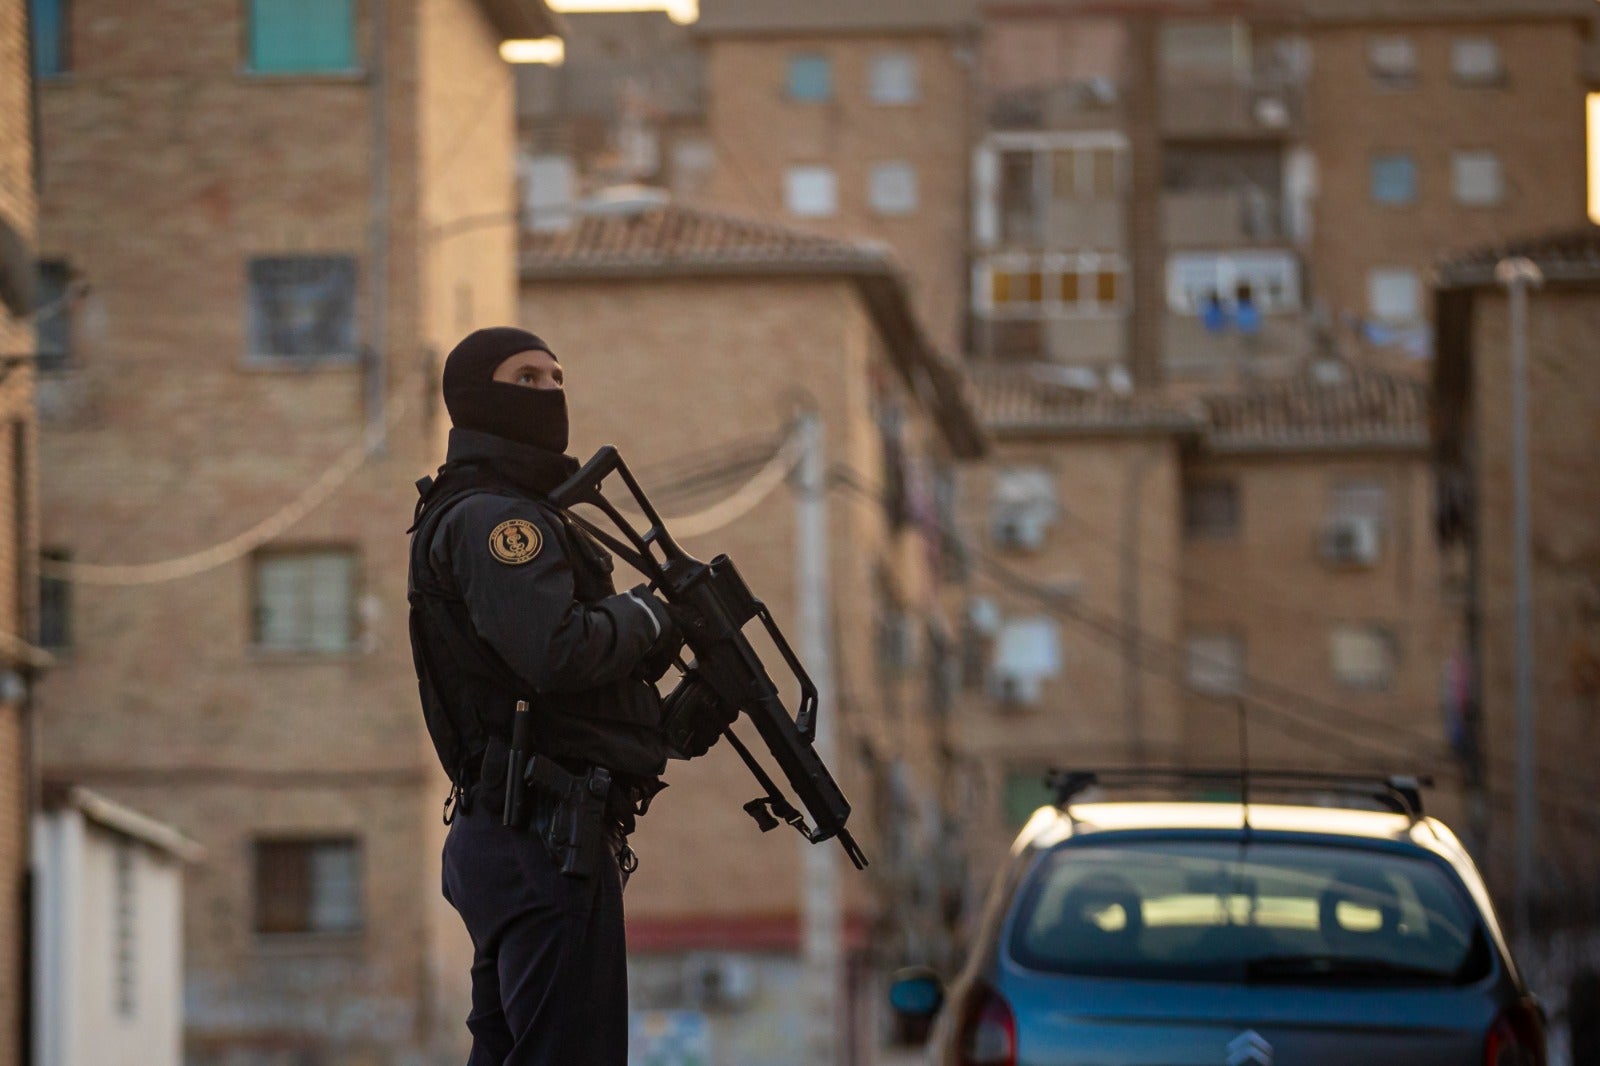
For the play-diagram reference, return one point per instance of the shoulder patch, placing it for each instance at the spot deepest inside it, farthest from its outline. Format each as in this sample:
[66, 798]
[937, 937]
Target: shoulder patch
[515, 541]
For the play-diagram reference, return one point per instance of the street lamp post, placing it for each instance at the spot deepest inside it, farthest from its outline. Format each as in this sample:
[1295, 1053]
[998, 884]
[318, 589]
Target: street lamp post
[1518, 275]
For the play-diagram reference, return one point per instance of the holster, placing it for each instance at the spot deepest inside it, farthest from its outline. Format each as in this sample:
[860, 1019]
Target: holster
[578, 833]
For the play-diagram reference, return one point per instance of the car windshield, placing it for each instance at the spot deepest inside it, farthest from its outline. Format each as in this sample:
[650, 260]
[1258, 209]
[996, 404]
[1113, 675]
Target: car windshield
[1263, 911]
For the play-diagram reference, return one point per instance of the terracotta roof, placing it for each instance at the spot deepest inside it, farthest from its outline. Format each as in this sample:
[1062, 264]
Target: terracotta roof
[663, 237]
[1433, 10]
[1367, 408]
[1562, 255]
[1030, 401]
[1364, 409]
[662, 240]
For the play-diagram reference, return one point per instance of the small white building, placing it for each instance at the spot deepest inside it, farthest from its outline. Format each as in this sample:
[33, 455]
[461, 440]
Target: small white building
[108, 933]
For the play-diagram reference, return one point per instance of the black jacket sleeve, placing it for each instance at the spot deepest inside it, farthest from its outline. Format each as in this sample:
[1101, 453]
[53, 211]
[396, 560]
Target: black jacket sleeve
[510, 565]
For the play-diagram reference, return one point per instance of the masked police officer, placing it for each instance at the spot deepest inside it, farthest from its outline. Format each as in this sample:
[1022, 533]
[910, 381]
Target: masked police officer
[512, 602]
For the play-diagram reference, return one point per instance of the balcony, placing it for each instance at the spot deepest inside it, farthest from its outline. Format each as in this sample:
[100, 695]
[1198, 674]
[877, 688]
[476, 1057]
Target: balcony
[1091, 104]
[1221, 218]
[1258, 106]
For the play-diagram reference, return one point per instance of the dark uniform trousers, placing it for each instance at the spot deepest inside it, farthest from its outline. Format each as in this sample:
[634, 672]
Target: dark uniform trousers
[549, 966]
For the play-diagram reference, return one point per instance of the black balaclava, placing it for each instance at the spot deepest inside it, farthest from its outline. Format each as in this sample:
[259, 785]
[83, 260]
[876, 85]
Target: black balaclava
[476, 401]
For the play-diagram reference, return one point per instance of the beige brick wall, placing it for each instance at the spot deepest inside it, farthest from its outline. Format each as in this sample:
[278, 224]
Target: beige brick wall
[166, 169]
[1565, 437]
[17, 545]
[1270, 587]
[1534, 122]
[665, 369]
[1082, 719]
[757, 133]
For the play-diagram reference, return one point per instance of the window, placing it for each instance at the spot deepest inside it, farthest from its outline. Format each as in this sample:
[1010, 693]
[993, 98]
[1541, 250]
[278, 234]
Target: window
[302, 36]
[1367, 500]
[1476, 61]
[1477, 179]
[810, 79]
[53, 314]
[892, 188]
[1203, 49]
[55, 603]
[811, 192]
[1088, 283]
[1394, 294]
[1025, 792]
[303, 307]
[1216, 664]
[1363, 657]
[892, 78]
[305, 601]
[1027, 652]
[307, 886]
[51, 21]
[1024, 507]
[1020, 215]
[1394, 179]
[1211, 510]
[1392, 62]
[1272, 280]
[1084, 174]
[125, 923]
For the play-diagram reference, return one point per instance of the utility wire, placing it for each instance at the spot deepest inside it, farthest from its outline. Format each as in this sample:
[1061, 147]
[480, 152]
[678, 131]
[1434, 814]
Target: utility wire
[1114, 630]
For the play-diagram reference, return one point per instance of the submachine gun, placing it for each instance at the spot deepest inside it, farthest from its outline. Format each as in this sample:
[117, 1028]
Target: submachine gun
[726, 676]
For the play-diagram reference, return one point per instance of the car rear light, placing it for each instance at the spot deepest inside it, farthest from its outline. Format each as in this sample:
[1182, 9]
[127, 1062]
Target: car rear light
[1516, 1038]
[988, 1033]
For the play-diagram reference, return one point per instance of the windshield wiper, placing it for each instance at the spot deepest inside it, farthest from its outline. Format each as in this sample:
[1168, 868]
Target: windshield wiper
[1292, 968]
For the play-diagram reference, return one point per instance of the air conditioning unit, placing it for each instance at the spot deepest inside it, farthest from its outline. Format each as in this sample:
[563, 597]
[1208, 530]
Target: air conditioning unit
[1019, 531]
[718, 981]
[1014, 690]
[1350, 541]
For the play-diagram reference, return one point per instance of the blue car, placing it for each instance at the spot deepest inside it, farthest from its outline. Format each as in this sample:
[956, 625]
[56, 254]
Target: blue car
[1234, 933]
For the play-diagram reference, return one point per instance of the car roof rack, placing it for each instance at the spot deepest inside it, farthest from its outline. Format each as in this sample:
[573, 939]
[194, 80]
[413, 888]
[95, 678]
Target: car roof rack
[1401, 793]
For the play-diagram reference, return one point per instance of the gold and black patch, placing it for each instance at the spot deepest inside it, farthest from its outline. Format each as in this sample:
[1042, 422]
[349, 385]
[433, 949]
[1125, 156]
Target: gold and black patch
[515, 541]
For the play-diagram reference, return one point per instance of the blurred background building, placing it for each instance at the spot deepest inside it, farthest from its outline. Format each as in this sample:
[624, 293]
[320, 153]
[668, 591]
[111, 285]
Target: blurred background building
[275, 228]
[19, 659]
[1148, 411]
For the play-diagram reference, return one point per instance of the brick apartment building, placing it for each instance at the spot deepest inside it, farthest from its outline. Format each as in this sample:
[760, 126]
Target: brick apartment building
[18, 218]
[1172, 559]
[1436, 126]
[1221, 189]
[276, 226]
[692, 337]
[849, 120]
[1472, 452]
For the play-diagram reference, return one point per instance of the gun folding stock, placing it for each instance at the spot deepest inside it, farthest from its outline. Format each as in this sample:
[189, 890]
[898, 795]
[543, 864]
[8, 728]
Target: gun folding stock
[727, 677]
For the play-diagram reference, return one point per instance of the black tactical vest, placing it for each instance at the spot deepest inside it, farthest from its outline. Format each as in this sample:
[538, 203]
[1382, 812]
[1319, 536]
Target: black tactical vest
[469, 693]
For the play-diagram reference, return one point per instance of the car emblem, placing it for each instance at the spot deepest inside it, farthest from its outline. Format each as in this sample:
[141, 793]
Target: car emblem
[1249, 1047]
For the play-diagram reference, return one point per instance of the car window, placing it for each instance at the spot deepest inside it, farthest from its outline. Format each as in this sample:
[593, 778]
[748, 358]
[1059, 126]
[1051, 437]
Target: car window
[1258, 911]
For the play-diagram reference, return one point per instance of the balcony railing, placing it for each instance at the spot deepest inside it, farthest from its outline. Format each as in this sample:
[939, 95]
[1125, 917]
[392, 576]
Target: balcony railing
[1260, 106]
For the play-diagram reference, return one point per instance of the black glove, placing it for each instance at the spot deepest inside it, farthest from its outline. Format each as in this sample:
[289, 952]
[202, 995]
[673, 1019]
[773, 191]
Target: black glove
[674, 620]
[694, 717]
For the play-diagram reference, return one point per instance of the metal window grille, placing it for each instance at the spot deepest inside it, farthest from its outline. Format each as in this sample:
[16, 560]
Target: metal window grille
[303, 307]
[307, 886]
[305, 601]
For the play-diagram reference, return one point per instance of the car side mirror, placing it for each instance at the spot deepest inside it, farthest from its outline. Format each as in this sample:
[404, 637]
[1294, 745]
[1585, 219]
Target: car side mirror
[916, 993]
